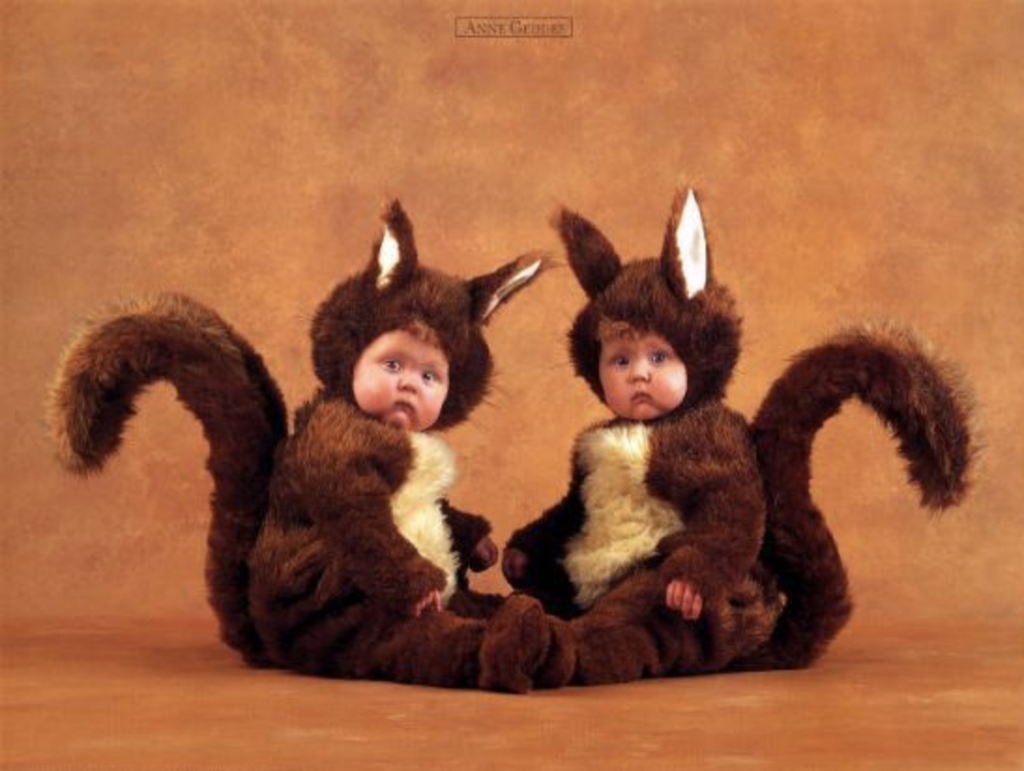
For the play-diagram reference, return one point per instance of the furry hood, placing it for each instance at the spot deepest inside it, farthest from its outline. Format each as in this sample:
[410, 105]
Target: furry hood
[673, 295]
[394, 292]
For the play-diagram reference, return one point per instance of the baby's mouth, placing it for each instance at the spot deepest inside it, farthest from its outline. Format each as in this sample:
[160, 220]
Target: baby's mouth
[406, 408]
[641, 397]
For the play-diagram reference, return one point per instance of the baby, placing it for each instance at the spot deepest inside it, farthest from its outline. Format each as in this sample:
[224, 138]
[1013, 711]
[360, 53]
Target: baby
[652, 551]
[333, 550]
[359, 511]
[402, 379]
[643, 379]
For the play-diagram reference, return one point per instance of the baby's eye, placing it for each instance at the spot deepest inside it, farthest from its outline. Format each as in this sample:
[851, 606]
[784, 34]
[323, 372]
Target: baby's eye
[659, 357]
[620, 361]
[392, 365]
[430, 377]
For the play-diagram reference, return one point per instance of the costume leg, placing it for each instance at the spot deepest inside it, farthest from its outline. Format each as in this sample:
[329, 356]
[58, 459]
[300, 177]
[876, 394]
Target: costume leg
[629, 633]
[560, 659]
[614, 641]
[517, 646]
[437, 648]
[352, 637]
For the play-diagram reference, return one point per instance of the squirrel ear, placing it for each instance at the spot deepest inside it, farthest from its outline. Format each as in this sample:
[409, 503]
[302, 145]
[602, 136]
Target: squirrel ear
[492, 289]
[592, 257]
[684, 255]
[394, 260]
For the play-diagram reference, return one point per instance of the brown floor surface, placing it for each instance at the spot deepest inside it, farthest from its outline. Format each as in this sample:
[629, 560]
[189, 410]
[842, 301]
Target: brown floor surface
[106, 694]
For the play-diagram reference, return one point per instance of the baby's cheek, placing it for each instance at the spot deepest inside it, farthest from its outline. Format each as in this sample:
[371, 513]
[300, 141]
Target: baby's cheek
[433, 402]
[675, 389]
[616, 395]
[681, 384]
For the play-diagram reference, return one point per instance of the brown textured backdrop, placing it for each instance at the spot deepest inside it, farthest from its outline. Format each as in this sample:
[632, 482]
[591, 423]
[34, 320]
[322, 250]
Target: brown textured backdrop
[855, 160]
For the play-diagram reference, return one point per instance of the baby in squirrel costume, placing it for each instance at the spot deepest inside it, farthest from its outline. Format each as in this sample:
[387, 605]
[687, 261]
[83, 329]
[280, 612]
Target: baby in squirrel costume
[334, 550]
[687, 541]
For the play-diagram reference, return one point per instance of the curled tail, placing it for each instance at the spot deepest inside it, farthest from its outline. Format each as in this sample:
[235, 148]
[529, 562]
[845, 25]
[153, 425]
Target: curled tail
[922, 402]
[223, 382]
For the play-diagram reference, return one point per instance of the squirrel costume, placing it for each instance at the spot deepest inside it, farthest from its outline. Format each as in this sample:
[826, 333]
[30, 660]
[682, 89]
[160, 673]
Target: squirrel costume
[321, 542]
[697, 494]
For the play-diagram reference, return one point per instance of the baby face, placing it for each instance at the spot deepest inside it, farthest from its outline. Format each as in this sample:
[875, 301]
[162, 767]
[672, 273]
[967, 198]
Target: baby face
[402, 381]
[641, 375]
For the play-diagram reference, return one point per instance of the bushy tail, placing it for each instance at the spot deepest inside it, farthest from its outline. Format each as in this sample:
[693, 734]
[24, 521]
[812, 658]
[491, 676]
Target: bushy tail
[223, 382]
[922, 402]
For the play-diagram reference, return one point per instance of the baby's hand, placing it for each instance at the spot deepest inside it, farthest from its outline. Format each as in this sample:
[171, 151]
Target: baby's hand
[485, 554]
[513, 565]
[684, 597]
[431, 601]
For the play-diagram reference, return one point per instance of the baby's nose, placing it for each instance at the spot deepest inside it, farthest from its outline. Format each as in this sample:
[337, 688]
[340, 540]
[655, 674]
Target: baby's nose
[640, 371]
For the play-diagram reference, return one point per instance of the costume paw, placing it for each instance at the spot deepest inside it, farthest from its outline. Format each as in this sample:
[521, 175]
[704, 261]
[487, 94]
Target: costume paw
[485, 554]
[743, 621]
[515, 645]
[513, 565]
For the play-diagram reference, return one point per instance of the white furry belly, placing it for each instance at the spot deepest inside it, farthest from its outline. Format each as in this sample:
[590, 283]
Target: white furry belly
[416, 506]
[624, 522]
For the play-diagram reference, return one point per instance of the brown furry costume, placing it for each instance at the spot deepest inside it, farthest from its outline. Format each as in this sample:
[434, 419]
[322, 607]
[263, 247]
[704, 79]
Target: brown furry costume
[697, 495]
[322, 542]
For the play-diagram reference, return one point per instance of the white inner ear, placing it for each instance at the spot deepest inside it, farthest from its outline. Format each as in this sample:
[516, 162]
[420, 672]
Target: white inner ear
[509, 287]
[387, 258]
[693, 249]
